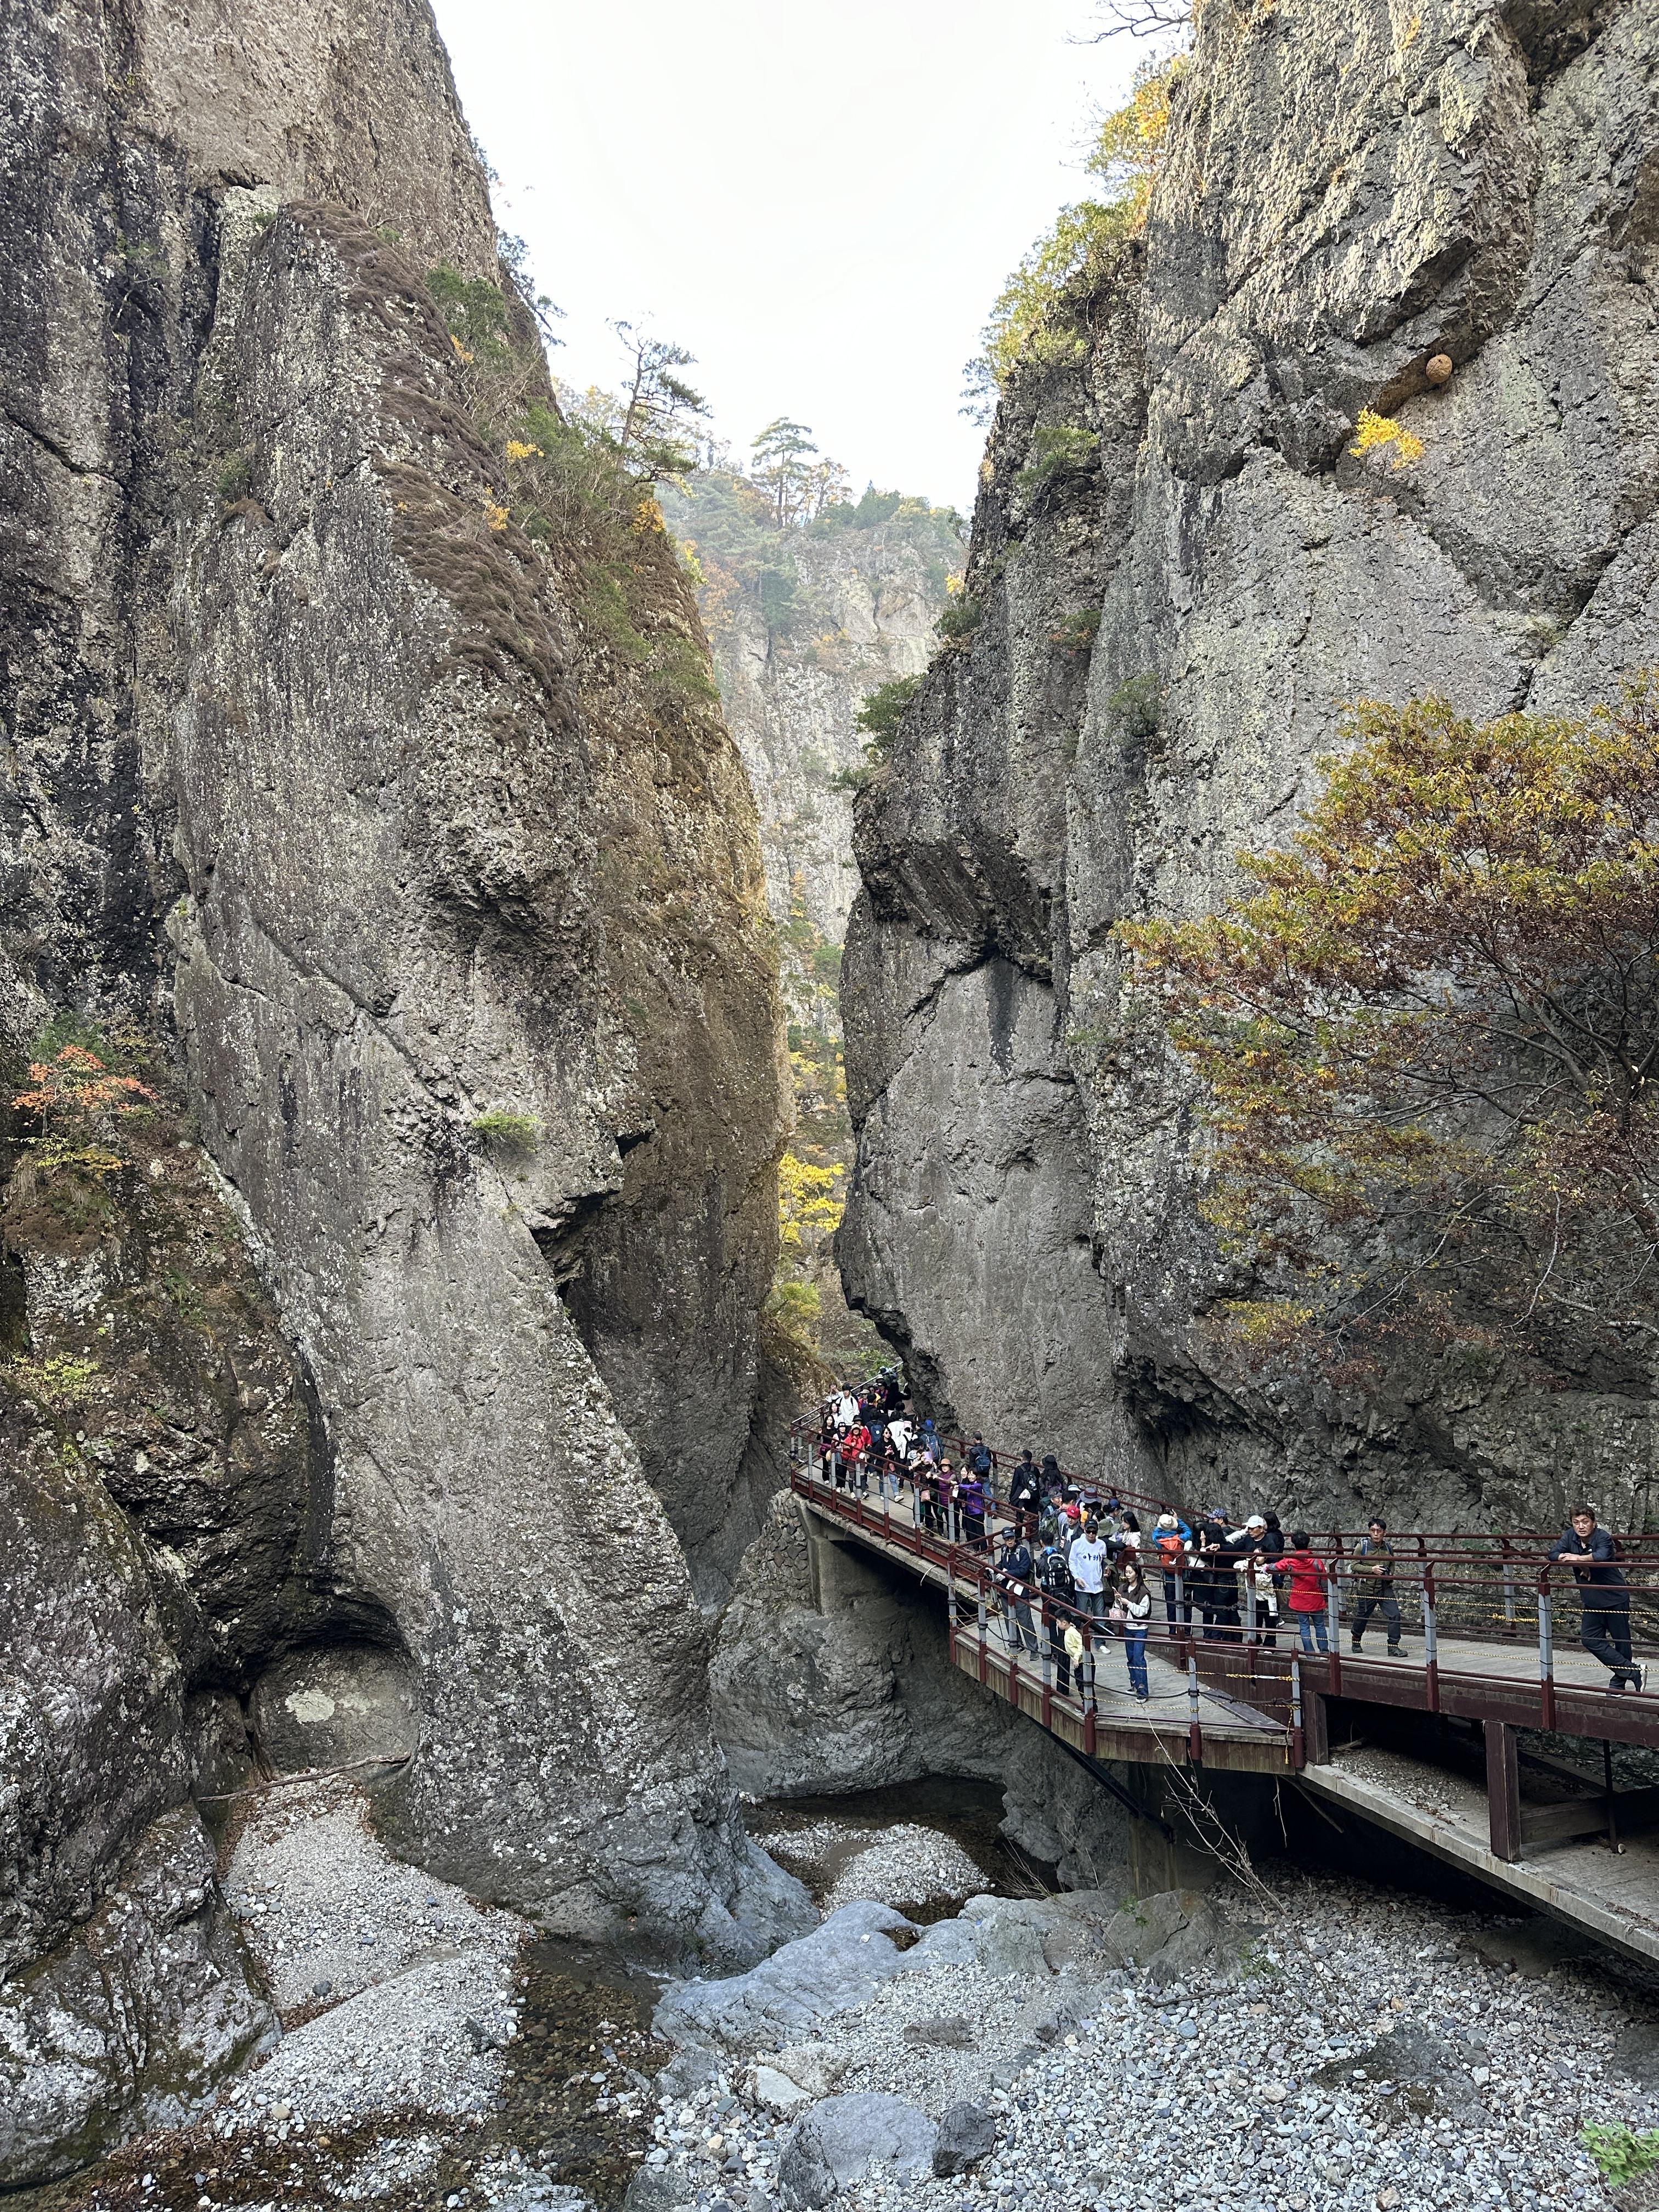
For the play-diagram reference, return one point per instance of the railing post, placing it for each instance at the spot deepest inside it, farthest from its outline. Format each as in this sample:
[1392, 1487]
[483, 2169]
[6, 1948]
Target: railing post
[1509, 1587]
[1194, 1733]
[1430, 1641]
[984, 1644]
[1546, 1650]
[1298, 1742]
[1334, 1626]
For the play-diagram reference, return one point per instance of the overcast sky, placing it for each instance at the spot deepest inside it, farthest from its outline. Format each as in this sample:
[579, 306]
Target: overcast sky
[819, 201]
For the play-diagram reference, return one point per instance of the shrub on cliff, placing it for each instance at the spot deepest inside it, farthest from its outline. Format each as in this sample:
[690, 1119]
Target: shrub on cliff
[1427, 1042]
[1027, 320]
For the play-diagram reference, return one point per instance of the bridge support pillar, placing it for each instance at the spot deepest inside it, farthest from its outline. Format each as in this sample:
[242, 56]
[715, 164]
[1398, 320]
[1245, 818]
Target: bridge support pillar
[1503, 1790]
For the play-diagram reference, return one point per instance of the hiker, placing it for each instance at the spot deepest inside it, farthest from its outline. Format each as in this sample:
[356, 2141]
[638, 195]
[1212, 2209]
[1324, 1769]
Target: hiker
[1134, 1600]
[1309, 1580]
[1087, 1559]
[970, 1496]
[927, 1489]
[1604, 1631]
[899, 1433]
[1059, 1599]
[847, 1408]
[1170, 1537]
[1261, 1600]
[1014, 1579]
[1079, 1652]
[1129, 1530]
[1374, 1574]
[1025, 1491]
[980, 1460]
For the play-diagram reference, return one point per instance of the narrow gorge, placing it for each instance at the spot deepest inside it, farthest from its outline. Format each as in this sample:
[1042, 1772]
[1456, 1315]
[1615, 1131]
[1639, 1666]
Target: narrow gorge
[450, 1751]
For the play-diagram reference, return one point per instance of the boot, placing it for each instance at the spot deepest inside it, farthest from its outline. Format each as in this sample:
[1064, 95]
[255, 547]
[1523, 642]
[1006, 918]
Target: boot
[1397, 1651]
[1354, 1642]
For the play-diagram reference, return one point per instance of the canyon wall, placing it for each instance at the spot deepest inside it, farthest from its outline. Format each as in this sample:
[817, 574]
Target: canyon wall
[1182, 574]
[396, 1386]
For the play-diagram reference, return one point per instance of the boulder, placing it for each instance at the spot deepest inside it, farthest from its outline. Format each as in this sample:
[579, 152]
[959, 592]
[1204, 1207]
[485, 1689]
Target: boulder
[844, 2140]
[947, 2031]
[1636, 2053]
[967, 2133]
[340, 1704]
[842, 1964]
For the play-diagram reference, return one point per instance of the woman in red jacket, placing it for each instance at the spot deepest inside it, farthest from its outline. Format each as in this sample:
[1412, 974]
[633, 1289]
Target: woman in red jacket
[1310, 1579]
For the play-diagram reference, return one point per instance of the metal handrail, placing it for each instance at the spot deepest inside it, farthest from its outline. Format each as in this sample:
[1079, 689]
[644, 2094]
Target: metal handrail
[1245, 1647]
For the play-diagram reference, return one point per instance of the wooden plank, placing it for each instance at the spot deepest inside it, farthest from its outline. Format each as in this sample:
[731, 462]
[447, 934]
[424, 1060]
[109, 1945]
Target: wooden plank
[1503, 1791]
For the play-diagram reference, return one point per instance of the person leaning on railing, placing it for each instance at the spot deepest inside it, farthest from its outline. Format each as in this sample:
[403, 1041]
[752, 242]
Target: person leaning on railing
[1592, 1553]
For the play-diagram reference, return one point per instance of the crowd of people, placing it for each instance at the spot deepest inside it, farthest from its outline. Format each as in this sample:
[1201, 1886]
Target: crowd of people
[1076, 1558]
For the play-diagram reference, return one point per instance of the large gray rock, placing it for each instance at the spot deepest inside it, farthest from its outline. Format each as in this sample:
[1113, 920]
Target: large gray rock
[91, 1695]
[839, 1965]
[134, 2019]
[850, 2139]
[332, 1705]
[1340, 199]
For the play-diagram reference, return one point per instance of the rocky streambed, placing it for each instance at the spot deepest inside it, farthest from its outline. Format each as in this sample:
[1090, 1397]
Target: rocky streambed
[1289, 2048]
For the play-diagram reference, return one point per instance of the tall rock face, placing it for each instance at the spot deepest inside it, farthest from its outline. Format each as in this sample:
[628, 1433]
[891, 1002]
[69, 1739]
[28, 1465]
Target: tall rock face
[805, 622]
[1345, 194]
[442, 909]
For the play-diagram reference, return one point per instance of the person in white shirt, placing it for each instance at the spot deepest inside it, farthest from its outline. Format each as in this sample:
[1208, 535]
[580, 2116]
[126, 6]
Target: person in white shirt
[847, 1410]
[1087, 1560]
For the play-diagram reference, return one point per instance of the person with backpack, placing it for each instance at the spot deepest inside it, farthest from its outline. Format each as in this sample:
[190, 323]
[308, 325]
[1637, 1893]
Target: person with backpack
[980, 1460]
[1060, 1602]
[1604, 1631]
[1170, 1539]
[1014, 1579]
[1310, 1583]
[1374, 1573]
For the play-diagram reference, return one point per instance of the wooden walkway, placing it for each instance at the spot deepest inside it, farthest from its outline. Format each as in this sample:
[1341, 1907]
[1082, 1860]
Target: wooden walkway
[1229, 1705]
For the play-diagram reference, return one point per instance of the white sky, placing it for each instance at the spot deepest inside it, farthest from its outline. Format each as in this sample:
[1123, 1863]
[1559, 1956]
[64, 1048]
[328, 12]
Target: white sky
[819, 201]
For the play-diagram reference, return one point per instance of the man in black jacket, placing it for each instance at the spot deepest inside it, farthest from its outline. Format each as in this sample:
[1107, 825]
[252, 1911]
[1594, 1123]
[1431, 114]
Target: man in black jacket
[1025, 1493]
[1015, 1580]
[1591, 1553]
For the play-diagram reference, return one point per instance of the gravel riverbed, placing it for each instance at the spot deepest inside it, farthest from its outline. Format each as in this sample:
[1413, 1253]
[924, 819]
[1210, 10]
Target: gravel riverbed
[1329, 2045]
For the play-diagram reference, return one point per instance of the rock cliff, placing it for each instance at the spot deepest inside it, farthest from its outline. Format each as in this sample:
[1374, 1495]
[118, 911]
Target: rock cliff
[1180, 573]
[417, 1330]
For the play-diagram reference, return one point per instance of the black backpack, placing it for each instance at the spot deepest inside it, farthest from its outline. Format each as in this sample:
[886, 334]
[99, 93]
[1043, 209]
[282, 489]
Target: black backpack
[1056, 1577]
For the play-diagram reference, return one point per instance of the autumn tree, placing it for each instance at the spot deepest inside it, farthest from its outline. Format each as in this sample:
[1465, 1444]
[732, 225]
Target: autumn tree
[77, 1102]
[1426, 1042]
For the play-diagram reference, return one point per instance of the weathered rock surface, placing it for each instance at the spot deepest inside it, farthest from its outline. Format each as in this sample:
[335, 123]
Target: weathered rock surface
[1343, 196]
[839, 1964]
[133, 2018]
[321, 781]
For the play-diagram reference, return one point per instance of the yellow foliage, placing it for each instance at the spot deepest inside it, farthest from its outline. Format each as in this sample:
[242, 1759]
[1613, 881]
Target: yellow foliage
[518, 451]
[495, 512]
[1377, 432]
[461, 351]
[806, 1199]
[647, 516]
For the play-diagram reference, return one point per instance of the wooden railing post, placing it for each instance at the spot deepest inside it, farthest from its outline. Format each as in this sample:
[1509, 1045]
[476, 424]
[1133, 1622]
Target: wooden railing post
[1503, 1790]
[1430, 1641]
